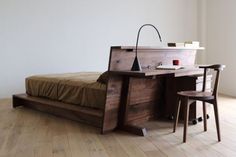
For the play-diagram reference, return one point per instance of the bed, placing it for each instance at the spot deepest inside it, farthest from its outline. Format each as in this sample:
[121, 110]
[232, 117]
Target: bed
[78, 96]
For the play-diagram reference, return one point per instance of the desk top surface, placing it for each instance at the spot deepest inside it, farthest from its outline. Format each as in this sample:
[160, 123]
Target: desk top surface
[188, 71]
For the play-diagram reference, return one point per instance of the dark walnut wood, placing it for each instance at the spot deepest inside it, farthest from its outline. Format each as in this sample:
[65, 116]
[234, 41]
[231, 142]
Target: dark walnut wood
[142, 94]
[188, 71]
[177, 84]
[121, 58]
[111, 107]
[141, 99]
[131, 97]
[186, 98]
[74, 112]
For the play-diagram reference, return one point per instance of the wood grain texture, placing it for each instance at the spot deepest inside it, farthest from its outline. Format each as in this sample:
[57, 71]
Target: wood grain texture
[174, 85]
[135, 97]
[111, 108]
[122, 58]
[188, 97]
[145, 95]
[82, 114]
[25, 132]
[188, 71]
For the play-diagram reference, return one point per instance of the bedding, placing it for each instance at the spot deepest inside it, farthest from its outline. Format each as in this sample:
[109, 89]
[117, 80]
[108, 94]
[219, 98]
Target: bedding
[103, 78]
[75, 88]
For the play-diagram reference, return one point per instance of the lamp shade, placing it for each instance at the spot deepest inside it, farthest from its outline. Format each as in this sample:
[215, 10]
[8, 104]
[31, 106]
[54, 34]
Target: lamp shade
[136, 64]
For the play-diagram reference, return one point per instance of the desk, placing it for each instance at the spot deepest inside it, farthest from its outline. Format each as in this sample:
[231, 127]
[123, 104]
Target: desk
[135, 97]
[136, 104]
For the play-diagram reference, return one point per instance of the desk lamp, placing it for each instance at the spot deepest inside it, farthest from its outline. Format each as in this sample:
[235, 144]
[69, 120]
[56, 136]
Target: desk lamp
[136, 65]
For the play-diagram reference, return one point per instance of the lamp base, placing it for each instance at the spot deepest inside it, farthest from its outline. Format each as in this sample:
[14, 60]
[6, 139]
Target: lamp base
[136, 65]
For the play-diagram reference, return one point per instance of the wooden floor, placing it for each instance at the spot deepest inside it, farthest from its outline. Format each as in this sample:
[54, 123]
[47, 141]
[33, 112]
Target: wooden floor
[28, 133]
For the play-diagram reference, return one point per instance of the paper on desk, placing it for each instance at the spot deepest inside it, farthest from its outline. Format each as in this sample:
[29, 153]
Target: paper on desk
[169, 67]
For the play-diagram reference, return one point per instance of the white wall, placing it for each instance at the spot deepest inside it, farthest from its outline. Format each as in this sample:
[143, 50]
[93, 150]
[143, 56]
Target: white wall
[221, 39]
[54, 36]
[201, 21]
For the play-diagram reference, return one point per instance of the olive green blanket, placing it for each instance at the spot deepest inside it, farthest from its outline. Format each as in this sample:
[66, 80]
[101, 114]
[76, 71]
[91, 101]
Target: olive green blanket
[75, 88]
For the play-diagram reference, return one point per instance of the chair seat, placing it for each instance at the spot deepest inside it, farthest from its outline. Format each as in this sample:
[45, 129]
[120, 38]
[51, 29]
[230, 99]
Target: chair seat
[196, 95]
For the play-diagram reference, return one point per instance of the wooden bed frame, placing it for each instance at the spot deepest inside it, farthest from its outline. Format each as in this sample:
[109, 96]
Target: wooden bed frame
[150, 103]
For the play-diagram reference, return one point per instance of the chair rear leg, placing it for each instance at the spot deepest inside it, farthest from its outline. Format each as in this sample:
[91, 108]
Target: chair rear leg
[204, 116]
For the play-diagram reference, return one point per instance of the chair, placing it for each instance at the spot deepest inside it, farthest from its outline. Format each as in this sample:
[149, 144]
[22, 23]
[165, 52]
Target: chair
[186, 98]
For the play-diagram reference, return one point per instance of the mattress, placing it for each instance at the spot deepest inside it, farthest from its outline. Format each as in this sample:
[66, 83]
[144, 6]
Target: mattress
[75, 88]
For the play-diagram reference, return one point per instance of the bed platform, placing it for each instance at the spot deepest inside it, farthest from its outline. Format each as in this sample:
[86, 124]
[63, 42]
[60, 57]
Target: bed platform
[148, 97]
[74, 112]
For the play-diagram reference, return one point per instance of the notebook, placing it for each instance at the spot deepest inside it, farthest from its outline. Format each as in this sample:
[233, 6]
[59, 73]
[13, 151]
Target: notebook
[169, 67]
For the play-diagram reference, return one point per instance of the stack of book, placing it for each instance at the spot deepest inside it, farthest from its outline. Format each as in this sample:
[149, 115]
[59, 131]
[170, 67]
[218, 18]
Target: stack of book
[188, 44]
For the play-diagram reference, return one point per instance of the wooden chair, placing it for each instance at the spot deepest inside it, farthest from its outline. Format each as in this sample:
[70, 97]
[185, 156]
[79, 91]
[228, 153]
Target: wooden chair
[186, 98]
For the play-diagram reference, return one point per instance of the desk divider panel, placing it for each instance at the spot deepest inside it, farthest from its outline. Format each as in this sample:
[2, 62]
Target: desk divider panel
[121, 58]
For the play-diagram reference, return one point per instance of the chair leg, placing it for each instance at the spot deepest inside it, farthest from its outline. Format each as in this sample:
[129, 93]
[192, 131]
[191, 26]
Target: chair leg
[186, 117]
[217, 120]
[204, 116]
[177, 114]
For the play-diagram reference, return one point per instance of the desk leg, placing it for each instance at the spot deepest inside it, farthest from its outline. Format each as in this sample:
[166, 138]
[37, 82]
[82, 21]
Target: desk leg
[170, 98]
[125, 101]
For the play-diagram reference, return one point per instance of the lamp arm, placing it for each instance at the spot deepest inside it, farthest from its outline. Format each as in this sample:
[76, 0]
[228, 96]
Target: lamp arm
[136, 48]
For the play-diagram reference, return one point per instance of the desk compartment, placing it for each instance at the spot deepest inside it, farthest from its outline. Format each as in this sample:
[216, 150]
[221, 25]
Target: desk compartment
[144, 99]
[174, 85]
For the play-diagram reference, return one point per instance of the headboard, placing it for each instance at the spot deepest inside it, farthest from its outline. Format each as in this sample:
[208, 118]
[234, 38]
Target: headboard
[121, 58]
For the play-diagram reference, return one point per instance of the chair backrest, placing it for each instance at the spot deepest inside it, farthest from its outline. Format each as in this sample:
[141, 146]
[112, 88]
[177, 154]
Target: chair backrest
[217, 68]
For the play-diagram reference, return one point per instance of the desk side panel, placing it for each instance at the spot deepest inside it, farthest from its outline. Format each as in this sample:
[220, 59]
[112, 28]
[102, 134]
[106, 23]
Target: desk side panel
[113, 98]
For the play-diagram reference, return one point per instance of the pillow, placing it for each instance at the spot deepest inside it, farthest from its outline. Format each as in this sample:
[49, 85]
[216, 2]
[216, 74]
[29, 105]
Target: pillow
[103, 78]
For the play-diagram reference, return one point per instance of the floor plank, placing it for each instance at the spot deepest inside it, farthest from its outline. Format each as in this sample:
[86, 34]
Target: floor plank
[25, 132]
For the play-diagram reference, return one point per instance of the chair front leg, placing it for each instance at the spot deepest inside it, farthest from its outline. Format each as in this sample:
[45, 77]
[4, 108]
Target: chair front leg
[178, 102]
[186, 117]
[217, 120]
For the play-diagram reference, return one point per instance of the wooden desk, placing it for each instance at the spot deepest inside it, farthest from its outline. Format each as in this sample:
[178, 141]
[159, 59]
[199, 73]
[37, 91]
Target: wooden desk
[126, 87]
[135, 104]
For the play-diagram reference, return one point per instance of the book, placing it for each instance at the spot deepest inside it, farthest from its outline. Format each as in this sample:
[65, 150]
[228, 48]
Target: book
[191, 44]
[187, 44]
[169, 67]
[175, 44]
